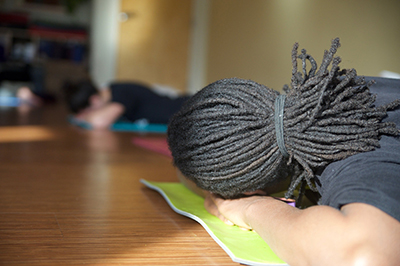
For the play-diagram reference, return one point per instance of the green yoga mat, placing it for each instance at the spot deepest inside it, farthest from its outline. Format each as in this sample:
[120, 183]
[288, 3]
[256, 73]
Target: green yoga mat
[245, 247]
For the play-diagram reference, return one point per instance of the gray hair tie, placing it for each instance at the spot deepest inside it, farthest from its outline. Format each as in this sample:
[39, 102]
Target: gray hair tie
[279, 104]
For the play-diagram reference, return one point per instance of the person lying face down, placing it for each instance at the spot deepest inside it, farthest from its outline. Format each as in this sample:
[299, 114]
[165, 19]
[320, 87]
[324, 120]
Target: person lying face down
[327, 132]
[132, 101]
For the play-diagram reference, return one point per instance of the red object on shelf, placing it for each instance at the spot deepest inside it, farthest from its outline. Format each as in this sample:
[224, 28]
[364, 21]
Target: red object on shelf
[53, 33]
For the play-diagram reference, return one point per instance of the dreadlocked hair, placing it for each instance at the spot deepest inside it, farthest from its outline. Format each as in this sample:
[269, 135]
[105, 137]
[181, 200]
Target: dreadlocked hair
[224, 136]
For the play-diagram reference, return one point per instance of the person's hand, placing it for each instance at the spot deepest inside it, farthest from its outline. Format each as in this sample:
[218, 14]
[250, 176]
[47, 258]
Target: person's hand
[232, 212]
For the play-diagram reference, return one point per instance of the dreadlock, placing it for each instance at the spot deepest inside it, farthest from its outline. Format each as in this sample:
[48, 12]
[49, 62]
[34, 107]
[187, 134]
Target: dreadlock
[224, 137]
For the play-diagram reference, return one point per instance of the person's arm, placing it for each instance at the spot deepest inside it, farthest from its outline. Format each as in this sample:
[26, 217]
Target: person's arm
[358, 234]
[103, 117]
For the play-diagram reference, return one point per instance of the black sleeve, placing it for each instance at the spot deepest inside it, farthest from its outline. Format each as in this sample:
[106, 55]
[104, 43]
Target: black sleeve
[371, 177]
[130, 95]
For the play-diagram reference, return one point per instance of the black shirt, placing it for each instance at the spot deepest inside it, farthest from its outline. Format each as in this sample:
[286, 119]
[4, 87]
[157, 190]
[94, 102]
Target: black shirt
[371, 177]
[141, 102]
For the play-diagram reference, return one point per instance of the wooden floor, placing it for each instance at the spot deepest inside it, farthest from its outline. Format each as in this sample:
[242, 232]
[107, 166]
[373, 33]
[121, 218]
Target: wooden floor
[71, 197]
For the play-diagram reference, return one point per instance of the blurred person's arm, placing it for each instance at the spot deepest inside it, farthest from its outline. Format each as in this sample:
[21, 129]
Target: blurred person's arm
[103, 117]
[102, 113]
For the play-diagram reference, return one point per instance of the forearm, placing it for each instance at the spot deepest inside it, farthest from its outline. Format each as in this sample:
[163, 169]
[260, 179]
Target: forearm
[102, 118]
[319, 235]
[289, 231]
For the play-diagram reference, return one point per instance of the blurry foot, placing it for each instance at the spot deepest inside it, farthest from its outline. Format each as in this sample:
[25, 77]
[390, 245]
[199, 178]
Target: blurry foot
[27, 97]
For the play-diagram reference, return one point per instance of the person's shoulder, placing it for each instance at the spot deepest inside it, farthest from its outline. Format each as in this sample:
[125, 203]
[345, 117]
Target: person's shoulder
[386, 90]
[384, 84]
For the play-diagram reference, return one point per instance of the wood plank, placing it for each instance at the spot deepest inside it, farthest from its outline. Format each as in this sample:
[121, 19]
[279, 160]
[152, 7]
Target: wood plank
[76, 198]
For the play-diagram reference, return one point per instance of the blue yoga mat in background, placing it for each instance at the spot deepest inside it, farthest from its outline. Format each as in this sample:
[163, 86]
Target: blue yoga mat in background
[124, 126]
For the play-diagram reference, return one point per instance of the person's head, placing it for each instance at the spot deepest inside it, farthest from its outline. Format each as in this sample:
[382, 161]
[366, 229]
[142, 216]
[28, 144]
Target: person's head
[80, 95]
[227, 137]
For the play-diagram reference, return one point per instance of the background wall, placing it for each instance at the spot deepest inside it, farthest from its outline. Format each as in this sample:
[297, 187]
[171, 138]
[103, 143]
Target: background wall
[253, 39]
